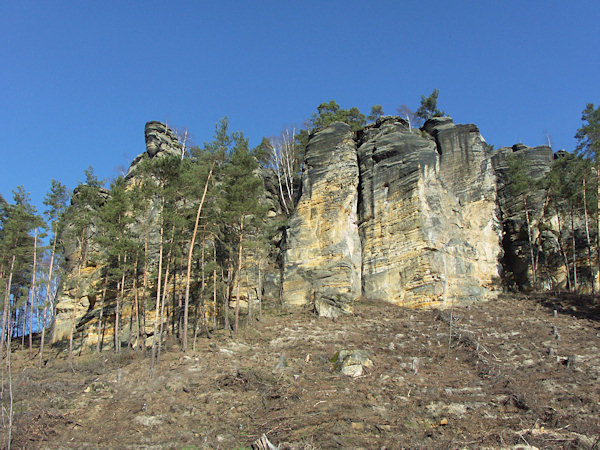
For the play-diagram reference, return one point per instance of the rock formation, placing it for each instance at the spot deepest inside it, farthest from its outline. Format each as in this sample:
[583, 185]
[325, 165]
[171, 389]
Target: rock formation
[428, 225]
[414, 217]
[425, 202]
[322, 259]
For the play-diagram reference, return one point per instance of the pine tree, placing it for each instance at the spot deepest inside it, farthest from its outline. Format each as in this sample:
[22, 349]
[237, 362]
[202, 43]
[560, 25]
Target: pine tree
[588, 146]
[242, 205]
[82, 216]
[519, 185]
[16, 254]
[56, 204]
[428, 107]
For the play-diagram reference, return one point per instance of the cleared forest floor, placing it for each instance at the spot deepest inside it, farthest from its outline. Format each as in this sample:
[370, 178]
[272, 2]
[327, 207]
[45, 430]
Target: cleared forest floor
[511, 373]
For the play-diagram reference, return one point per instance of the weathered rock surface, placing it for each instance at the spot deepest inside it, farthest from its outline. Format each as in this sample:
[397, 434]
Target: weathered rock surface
[427, 213]
[551, 234]
[160, 141]
[322, 260]
[426, 204]
[516, 259]
[77, 299]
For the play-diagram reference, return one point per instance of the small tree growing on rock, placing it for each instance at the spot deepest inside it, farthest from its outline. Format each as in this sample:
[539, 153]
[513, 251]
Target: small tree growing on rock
[428, 108]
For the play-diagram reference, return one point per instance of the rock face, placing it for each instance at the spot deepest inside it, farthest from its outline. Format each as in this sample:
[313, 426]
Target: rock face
[160, 141]
[81, 300]
[552, 233]
[426, 205]
[78, 299]
[516, 259]
[428, 225]
[322, 260]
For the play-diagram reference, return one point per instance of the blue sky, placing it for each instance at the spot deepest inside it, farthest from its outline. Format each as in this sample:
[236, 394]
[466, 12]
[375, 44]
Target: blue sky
[79, 79]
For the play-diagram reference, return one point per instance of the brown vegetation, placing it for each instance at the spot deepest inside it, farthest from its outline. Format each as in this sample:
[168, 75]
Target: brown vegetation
[517, 371]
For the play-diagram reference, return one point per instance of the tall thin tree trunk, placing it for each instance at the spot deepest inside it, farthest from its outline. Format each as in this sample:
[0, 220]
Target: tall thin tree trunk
[587, 234]
[248, 298]
[574, 251]
[136, 303]
[162, 303]
[145, 295]
[158, 287]
[120, 300]
[563, 252]
[259, 293]
[101, 314]
[47, 300]
[228, 295]
[529, 235]
[32, 294]
[81, 261]
[6, 315]
[239, 273]
[215, 309]
[189, 262]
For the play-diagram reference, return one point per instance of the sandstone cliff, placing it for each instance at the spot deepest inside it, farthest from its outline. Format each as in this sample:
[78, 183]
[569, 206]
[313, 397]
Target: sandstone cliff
[322, 259]
[397, 214]
[414, 217]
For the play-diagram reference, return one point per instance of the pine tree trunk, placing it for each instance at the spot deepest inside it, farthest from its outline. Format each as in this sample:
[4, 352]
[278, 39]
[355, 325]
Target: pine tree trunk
[563, 252]
[158, 287]
[227, 296]
[215, 309]
[6, 315]
[533, 266]
[120, 289]
[239, 272]
[48, 285]
[589, 242]
[574, 251]
[136, 303]
[189, 265]
[162, 304]
[101, 314]
[145, 295]
[32, 294]
[259, 294]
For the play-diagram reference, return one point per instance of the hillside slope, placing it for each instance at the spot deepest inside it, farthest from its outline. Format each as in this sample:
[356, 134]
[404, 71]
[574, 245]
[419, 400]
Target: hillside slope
[515, 373]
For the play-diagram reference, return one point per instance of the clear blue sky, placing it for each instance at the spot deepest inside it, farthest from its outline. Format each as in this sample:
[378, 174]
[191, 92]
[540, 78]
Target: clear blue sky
[79, 79]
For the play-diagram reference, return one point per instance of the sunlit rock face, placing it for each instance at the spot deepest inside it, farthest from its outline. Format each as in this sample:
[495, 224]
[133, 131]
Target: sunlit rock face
[427, 212]
[322, 259]
[406, 216]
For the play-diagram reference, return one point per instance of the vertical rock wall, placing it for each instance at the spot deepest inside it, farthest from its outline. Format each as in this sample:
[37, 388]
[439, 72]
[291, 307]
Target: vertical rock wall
[322, 260]
[428, 224]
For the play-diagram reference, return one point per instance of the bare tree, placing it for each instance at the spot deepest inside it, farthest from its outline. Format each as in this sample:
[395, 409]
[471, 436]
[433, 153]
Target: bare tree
[283, 161]
[183, 137]
[410, 116]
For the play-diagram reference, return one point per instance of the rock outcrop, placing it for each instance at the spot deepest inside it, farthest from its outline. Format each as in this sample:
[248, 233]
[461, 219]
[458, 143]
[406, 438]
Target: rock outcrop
[322, 259]
[516, 259]
[416, 227]
[75, 300]
[160, 141]
[553, 231]
[428, 225]
[414, 217]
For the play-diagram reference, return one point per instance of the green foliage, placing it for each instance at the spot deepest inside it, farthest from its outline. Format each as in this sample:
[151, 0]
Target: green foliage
[328, 113]
[56, 204]
[588, 136]
[519, 182]
[565, 182]
[18, 222]
[428, 107]
[376, 113]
